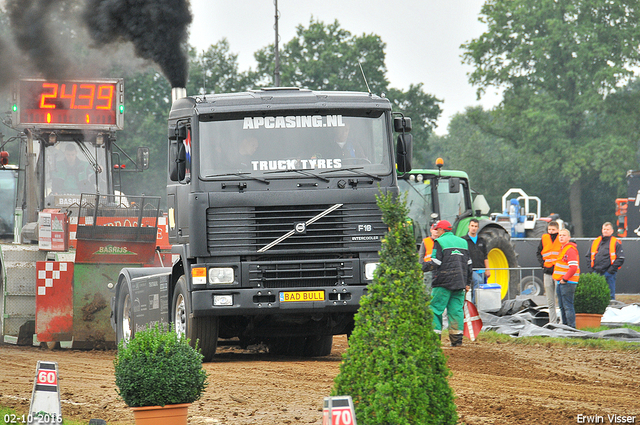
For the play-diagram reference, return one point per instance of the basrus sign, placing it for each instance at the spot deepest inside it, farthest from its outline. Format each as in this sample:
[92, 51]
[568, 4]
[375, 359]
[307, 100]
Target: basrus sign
[116, 240]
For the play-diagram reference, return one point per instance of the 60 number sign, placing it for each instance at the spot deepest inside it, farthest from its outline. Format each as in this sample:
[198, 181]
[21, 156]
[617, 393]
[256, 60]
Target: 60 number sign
[47, 377]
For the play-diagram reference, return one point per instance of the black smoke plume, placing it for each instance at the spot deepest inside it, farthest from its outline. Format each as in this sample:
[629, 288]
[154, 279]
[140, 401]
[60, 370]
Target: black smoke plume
[31, 27]
[7, 71]
[157, 29]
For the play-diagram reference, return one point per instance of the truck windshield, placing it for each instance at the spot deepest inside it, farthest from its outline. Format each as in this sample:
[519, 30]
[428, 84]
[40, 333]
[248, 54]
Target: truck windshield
[265, 145]
[70, 169]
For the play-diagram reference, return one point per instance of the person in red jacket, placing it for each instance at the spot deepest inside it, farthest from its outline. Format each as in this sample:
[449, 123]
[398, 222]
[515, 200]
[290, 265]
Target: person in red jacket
[566, 273]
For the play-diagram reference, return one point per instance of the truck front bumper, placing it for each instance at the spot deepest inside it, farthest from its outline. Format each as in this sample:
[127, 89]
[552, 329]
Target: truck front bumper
[254, 301]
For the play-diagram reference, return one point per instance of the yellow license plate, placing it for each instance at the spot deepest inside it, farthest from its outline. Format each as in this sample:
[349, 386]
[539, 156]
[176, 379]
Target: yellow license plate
[301, 296]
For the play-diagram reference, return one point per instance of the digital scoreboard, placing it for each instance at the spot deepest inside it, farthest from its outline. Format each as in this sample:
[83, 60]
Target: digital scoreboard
[71, 104]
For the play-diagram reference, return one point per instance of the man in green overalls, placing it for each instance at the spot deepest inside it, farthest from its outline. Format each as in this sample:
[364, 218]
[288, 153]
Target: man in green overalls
[452, 276]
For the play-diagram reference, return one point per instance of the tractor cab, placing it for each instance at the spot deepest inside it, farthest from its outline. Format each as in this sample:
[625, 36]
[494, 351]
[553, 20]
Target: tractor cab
[431, 197]
[72, 167]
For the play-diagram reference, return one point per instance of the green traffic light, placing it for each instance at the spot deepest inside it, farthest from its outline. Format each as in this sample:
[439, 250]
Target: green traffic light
[15, 108]
[122, 109]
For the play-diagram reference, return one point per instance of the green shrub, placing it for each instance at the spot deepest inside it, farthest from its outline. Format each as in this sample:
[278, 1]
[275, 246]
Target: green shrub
[394, 368]
[157, 367]
[592, 294]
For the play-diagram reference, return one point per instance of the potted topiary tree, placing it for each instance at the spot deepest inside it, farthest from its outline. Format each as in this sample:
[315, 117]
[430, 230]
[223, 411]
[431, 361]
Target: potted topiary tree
[158, 375]
[591, 300]
[394, 369]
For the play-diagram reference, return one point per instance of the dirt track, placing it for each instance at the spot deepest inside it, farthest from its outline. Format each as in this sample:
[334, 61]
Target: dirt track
[495, 384]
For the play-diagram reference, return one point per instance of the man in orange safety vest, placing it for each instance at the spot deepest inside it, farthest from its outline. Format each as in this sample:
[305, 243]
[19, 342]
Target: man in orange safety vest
[606, 256]
[426, 249]
[547, 254]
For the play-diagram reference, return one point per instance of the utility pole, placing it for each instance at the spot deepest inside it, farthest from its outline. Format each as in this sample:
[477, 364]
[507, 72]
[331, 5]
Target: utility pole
[276, 72]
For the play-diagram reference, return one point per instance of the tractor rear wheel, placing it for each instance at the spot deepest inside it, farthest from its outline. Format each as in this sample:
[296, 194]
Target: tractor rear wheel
[502, 260]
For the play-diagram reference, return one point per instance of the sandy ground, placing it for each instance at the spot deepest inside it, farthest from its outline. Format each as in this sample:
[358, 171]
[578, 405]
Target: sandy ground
[494, 384]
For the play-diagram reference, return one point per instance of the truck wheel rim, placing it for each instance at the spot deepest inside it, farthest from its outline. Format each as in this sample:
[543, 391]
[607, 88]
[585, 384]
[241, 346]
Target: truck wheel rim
[498, 260]
[181, 317]
[126, 319]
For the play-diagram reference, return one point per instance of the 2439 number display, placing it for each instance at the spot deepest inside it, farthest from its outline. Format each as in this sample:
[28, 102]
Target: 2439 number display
[95, 104]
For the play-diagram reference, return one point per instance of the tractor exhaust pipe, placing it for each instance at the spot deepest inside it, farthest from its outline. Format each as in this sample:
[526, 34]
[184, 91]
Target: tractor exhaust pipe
[178, 93]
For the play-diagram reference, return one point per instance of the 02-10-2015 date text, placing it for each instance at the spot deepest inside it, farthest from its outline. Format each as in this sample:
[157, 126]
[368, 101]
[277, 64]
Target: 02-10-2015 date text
[38, 418]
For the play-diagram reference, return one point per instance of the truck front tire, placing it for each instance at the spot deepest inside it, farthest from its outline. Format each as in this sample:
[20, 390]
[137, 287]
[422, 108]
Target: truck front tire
[125, 327]
[204, 330]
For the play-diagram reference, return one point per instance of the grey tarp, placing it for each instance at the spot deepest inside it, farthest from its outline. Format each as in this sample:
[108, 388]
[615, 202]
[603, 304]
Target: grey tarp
[522, 323]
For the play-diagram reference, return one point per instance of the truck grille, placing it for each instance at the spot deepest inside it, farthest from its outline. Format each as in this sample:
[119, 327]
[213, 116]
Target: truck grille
[303, 274]
[245, 230]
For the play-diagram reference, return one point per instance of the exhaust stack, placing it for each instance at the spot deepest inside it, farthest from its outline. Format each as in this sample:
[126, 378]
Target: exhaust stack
[178, 93]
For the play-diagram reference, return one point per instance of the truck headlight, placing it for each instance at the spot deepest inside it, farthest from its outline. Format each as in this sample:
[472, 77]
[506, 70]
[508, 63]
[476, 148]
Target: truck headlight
[221, 275]
[223, 300]
[369, 268]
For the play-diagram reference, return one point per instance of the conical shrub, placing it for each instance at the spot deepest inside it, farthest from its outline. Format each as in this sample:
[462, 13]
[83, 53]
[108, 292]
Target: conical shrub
[592, 294]
[394, 368]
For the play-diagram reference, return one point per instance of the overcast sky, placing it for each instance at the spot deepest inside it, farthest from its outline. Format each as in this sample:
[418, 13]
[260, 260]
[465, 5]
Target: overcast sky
[423, 37]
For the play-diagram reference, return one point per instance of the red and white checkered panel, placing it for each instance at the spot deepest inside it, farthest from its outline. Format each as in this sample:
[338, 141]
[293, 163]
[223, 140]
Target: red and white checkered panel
[54, 299]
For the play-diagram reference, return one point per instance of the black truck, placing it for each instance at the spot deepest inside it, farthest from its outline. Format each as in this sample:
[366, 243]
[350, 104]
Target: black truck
[272, 218]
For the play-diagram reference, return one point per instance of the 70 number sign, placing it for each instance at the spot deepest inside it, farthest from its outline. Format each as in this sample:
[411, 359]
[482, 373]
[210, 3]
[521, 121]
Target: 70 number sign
[341, 416]
[338, 411]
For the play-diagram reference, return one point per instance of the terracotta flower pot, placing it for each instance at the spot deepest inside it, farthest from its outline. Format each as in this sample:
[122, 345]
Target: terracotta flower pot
[171, 414]
[586, 320]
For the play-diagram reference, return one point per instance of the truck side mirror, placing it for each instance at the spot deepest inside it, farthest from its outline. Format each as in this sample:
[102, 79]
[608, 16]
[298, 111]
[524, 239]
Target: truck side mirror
[174, 151]
[181, 162]
[402, 124]
[142, 160]
[178, 153]
[181, 132]
[404, 152]
[454, 185]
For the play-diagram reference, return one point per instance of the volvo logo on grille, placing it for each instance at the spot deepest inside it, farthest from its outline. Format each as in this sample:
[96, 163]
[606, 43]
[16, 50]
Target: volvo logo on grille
[300, 227]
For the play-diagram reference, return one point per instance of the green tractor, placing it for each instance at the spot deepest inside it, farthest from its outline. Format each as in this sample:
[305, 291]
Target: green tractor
[446, 195]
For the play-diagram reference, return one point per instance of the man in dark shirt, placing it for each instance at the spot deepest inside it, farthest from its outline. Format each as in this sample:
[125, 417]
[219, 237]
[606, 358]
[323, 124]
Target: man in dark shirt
[478, 253]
